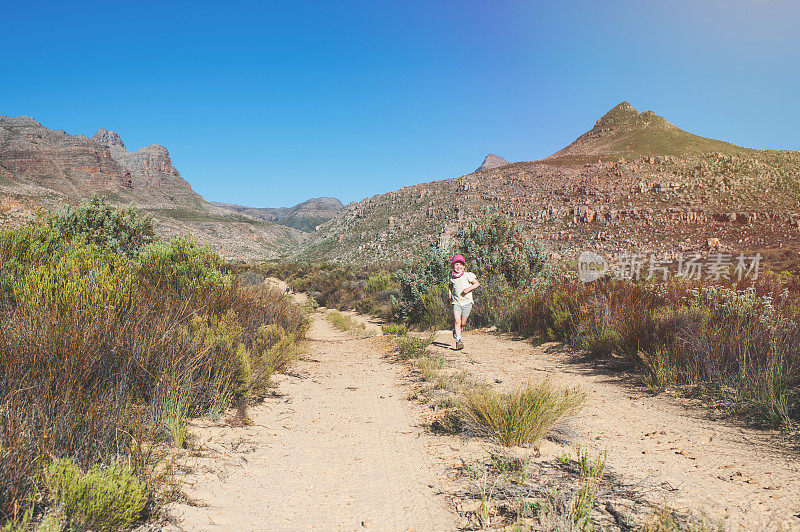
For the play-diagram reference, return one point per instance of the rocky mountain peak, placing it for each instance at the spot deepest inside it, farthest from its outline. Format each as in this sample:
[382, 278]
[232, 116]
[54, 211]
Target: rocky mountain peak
[111, 138]
[624, 133]
[492, 161]
[624, 115]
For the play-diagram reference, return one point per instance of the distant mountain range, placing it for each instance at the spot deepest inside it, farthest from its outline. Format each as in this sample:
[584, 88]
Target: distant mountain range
[42, 168]
[633, 183]
[304, 216]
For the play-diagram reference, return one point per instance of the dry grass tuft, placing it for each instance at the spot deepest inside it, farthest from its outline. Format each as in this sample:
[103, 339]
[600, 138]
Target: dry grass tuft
[521, 417]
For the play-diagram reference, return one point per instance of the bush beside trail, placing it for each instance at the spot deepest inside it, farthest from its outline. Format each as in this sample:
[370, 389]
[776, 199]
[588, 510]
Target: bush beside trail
[342, 287]
[738, 344]
[108, 345]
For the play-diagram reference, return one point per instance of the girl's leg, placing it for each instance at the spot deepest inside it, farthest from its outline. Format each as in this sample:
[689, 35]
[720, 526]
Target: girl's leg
[458, 320]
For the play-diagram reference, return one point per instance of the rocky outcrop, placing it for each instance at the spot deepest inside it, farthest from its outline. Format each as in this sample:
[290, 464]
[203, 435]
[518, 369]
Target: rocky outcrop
[148, 167]
[76, 166]
[492, 161]
[111, 138]
[33, 154]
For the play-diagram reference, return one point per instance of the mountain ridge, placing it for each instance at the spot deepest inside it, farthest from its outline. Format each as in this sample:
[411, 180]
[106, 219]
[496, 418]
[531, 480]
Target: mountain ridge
[305, 216]
[634, 182]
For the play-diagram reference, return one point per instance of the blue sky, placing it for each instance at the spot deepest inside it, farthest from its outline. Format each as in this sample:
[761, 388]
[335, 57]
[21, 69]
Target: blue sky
[268, 104]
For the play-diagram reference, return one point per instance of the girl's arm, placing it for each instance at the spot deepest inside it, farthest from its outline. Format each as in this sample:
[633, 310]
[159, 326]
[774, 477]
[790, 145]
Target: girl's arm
[472, 286]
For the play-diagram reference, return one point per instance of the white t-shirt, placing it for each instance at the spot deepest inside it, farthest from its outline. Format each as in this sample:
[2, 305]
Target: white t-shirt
[458, 284]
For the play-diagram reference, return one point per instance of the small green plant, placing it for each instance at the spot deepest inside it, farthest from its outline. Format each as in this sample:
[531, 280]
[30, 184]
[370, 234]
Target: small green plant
[394, 329]
[102, 499]
[658, 371]
[519, 417]
[50, 523]
[449, 423]
[380, 282]
[590, 467]
[409, 347]
[486, 508]
[429, 367]
[513, 468]
[452, 381]
[591, 472]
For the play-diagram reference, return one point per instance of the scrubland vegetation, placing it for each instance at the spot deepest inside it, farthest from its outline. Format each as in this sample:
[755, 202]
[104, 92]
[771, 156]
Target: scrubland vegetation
[109, 341]
[736, 344]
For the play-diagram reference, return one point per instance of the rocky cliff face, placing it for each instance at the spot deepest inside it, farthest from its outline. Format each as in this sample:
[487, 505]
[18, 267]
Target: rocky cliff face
[585, 198]
[45, 169]
[32, 154]
[149, 167]
[492, 161]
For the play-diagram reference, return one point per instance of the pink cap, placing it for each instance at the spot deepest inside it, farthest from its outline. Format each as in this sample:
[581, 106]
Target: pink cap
[458, 258]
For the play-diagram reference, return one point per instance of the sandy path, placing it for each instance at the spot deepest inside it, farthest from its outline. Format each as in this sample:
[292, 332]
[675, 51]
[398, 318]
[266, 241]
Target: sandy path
[339, 451]
[743, 477]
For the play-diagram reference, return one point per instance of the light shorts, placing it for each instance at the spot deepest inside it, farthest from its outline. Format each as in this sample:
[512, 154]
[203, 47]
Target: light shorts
[463, 309]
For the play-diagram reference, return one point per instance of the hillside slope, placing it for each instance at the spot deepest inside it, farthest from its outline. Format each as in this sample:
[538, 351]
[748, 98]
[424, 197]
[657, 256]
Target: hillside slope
[42, 168]
[633, 183]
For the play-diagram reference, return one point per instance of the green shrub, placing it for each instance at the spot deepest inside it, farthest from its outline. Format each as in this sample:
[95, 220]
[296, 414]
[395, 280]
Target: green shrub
[221, 338]
[380, 282]
[183, 265]
[394, 329]
[122, 230]
[415, 283]
[100, 358]
[521, 417]
[412, 347]
[175, 411]
[273, 350]
[603, 342]
[436, 309]
[496, 246]
[429, 367]
[102, 499]
[82, 278]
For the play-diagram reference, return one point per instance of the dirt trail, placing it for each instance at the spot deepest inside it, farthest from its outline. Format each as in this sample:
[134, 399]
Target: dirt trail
[338, 451]
[743, 477]
[341, 448]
